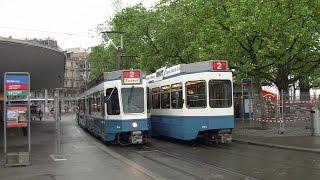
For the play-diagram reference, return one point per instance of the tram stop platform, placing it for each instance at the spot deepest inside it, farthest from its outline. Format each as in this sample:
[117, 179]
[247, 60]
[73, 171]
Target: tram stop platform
[294, 138]
[85, 160]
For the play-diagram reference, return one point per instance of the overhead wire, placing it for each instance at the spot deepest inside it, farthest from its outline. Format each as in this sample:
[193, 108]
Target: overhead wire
[45, 31]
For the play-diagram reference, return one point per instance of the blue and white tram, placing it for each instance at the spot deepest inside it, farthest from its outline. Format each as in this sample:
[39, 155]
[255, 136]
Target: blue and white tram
[114, 107]
[190, 101]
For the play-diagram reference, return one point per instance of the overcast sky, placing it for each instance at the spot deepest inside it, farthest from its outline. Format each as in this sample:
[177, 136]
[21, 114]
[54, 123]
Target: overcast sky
[23, 19]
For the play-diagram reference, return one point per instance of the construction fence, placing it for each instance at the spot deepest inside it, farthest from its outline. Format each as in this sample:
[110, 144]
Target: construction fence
[285, 112]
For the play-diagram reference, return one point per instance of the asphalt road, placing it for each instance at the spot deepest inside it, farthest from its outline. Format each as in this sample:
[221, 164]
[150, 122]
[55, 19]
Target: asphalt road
[173, 159]
[89, 158]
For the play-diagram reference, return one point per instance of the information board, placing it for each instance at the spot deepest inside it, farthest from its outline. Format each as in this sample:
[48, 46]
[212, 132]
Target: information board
[17, 114]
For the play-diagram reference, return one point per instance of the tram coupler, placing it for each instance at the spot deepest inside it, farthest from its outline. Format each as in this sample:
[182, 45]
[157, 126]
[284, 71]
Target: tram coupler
[222, 137]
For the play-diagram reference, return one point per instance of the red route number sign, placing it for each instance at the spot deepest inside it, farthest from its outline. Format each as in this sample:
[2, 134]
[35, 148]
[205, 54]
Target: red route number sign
[16, 87]
[131, 77]
[219, 65]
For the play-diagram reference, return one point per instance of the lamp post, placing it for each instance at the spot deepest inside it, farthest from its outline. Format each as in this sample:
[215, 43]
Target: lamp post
[118, 48]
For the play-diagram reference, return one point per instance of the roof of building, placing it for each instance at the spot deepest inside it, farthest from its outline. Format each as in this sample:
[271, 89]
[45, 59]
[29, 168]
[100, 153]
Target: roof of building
[45, 64]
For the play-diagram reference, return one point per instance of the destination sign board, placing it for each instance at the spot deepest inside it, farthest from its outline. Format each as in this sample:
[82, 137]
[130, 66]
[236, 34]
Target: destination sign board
[219, 65]
[131, 77]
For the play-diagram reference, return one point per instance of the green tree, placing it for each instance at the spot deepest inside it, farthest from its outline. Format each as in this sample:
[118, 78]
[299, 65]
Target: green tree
[276, 40]
[269, 40]
[101, 59]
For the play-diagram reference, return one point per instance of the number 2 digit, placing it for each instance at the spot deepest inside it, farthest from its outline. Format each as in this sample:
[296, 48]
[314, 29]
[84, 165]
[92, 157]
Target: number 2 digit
[219, 65]
[131, 74]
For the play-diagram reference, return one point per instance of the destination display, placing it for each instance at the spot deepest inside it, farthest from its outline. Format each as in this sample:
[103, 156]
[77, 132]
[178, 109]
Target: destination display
[131, 77]
[219, 65]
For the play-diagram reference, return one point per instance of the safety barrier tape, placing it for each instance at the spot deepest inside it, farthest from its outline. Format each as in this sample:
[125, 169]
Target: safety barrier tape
[274, 120]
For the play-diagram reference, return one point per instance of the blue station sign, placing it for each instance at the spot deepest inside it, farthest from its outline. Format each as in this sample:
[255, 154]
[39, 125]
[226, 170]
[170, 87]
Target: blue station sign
[17, 79]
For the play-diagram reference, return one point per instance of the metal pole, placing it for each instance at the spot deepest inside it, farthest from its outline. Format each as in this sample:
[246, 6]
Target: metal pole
[57, 118]
[58, 122]
[58, 155]
[5, 123]
[46, 102]
[29, 129]
[242, 102]
[118, 58]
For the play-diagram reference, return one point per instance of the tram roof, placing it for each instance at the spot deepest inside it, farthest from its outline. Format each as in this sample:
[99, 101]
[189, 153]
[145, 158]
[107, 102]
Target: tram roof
[202, 66]
[110, 76]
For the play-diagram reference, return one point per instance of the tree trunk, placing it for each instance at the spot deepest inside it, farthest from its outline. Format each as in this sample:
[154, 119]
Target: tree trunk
[304, 90]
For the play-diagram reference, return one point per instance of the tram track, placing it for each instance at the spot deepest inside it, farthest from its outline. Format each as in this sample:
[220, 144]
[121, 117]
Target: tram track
[144, 149]
[185, 158]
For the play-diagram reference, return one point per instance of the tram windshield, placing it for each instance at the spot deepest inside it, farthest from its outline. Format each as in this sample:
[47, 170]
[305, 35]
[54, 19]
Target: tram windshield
[133, 100]
[220, 93]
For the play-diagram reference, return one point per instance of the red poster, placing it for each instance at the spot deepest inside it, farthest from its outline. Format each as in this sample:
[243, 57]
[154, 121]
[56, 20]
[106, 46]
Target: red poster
[17, 116]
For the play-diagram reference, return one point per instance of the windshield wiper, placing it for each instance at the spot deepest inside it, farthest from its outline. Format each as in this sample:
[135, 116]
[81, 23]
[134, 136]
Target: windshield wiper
[130, 95]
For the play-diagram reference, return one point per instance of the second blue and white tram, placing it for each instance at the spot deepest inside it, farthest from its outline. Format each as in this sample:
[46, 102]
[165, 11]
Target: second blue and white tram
[114, 107]
[190, 101]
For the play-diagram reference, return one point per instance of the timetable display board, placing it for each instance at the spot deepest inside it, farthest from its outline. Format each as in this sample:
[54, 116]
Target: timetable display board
[17, 114]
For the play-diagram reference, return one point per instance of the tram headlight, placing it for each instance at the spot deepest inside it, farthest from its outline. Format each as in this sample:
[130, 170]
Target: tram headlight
[134, 124]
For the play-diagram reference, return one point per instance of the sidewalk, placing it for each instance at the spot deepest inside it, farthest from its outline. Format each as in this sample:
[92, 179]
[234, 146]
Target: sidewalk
[295, 137]
[85, 159]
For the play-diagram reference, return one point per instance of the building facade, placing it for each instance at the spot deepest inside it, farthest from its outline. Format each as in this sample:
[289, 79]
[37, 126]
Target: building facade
[76, 69]
[74, 77]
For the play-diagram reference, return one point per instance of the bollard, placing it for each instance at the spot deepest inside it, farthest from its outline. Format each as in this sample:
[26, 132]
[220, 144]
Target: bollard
[315, 122]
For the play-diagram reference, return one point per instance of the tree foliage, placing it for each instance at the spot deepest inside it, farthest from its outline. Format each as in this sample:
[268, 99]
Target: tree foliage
[277, 41]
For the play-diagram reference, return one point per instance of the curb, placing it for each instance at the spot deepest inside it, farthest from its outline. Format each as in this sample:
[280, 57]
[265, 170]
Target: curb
[276, 146]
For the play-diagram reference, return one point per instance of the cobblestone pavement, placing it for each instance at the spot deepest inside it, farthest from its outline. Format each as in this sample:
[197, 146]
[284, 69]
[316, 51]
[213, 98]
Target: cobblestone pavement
[256, 129]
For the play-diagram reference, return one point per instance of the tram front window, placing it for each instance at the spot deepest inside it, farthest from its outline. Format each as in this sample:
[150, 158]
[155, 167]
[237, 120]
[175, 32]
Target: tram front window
[196, 94]
[133, 100]
[220, 93]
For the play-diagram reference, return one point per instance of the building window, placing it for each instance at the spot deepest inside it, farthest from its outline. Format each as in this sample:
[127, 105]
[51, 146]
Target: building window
[176, 96]
[220, 94]
[196, 94]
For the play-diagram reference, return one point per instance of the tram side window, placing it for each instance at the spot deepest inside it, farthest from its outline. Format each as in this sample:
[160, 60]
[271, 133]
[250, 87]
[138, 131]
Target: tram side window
[93, 105]
[90, 101]
[176, 96]
[82, 106]
[102, 104]
[148, 99]
[196, 94]
[220, 93]
[112, 101]
[165, 97]
[98, 103]
[156, 98]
